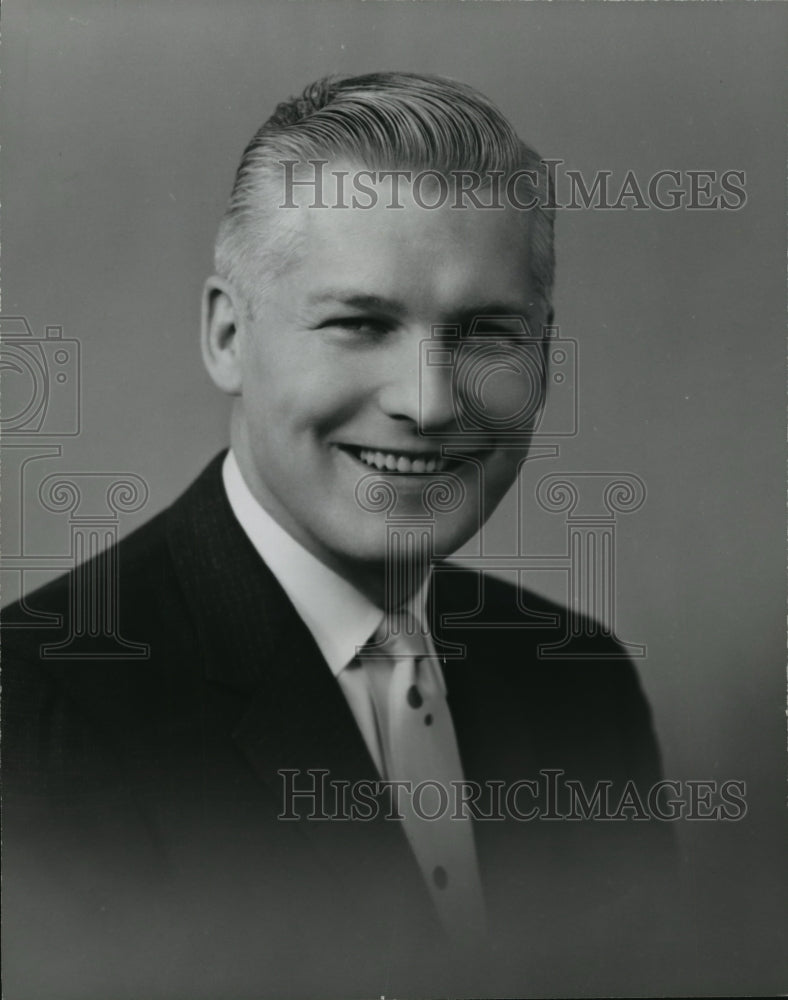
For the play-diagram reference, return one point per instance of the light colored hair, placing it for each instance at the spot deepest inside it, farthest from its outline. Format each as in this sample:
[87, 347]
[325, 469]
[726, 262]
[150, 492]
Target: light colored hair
[382, 121]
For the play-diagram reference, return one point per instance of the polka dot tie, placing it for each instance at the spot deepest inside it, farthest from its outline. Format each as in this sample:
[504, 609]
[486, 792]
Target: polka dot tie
[422, 751]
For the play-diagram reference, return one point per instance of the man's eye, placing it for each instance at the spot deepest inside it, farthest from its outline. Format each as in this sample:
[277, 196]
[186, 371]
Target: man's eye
[356, 324]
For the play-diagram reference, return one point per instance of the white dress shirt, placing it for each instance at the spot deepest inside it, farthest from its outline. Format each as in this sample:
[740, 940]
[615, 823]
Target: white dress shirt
[342, 621]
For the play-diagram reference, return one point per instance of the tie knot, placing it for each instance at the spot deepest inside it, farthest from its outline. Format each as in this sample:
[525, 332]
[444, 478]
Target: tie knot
[401, 634]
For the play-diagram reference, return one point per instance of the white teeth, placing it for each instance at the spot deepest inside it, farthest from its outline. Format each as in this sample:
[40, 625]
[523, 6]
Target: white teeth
[400, 463]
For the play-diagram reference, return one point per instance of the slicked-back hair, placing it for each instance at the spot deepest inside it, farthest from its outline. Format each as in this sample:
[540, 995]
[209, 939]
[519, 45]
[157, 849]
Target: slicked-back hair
[381, 121]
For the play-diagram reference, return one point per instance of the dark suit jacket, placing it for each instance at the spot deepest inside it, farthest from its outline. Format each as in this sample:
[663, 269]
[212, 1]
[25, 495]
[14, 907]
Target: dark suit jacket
[143, 853]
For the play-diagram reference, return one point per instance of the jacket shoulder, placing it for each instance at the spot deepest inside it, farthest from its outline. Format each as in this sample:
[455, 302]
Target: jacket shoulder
[133, 581]
[121, 582]
[519, 616]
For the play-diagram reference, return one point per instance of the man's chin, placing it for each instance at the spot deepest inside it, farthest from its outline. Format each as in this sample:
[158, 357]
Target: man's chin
[402, 539]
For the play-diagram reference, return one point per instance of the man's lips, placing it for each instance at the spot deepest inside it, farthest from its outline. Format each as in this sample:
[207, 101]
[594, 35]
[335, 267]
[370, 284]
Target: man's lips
[404, 463]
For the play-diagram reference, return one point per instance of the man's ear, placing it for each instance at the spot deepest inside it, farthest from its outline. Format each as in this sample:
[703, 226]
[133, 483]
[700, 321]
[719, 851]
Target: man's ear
[223, 314]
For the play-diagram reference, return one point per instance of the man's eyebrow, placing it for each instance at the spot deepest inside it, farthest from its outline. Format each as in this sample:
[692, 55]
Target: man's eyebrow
[358, 300]
[462, 315]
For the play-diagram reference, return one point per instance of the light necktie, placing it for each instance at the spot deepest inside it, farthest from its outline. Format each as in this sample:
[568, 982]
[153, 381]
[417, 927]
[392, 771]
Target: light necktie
[421, 749]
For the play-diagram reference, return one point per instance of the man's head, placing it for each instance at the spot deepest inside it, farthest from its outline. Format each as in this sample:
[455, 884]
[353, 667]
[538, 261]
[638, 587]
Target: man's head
[327, 296]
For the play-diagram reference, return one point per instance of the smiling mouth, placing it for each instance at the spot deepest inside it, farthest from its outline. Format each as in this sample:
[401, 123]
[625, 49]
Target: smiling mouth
[401, 463]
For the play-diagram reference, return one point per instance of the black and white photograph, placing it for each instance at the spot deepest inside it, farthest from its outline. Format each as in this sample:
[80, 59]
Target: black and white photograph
[393, 499]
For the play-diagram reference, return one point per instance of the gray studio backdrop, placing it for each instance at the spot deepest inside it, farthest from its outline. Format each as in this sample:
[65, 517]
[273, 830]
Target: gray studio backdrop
[123, 124]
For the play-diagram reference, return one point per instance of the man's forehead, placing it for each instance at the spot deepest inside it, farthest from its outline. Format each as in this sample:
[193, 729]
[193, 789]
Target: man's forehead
[348, 245]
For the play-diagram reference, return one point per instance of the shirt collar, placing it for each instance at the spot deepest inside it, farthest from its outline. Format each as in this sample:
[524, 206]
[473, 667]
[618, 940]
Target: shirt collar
[340, 618]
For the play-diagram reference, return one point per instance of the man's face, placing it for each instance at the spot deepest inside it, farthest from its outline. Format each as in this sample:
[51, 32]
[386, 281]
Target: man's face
[334, 385]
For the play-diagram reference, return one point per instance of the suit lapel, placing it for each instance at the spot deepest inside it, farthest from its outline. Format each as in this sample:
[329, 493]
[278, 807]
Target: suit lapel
[252, 639]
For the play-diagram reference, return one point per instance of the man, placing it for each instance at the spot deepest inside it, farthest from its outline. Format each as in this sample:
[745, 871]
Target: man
[235, 814]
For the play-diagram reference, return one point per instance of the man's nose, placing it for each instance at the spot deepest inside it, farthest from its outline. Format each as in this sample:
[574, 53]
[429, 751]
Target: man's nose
[416, 390]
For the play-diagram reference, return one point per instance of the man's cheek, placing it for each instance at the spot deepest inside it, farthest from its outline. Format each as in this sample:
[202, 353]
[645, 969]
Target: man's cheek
[490, 398]
[512, 399]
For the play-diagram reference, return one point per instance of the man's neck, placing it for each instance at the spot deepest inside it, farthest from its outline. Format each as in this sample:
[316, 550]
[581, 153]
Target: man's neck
[372, 578]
